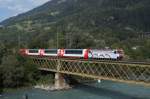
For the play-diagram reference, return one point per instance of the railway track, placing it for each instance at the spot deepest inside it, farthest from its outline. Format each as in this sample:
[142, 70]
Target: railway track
[97, 60]
[115, 61]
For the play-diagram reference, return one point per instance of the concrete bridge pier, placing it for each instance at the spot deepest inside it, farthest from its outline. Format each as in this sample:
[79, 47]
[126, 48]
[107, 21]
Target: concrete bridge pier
[60, 82]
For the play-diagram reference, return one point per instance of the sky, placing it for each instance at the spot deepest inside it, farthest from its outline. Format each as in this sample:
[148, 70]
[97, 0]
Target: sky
[9, 8]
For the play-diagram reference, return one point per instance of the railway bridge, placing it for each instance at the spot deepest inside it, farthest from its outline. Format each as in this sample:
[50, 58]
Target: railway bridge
[120, 71]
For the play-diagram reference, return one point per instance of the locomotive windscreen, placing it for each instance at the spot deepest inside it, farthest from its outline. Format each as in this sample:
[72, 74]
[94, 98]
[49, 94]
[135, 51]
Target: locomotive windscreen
[51, 51]
[73, 51]
[33, 50]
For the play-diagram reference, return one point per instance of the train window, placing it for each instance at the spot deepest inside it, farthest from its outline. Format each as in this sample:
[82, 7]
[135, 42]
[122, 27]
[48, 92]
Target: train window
[73, 51]
[115, 52]
[33, 50]
[51, 51]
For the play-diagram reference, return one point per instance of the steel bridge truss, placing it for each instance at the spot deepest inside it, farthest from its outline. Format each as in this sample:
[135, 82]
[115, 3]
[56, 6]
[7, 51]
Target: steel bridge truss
[122, 72]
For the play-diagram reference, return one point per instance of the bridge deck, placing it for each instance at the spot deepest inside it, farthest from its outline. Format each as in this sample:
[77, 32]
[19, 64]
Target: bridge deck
[115, 71]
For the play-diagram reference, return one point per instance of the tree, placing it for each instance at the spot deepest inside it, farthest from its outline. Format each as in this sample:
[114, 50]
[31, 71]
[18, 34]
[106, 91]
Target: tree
[13, 73]
[1, 81]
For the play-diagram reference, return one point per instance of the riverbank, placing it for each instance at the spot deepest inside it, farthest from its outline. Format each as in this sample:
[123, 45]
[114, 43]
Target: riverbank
[46, 87]
[7, 90]
[51, 87]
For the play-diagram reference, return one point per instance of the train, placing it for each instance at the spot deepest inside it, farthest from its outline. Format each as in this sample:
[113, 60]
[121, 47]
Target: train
[113, 54]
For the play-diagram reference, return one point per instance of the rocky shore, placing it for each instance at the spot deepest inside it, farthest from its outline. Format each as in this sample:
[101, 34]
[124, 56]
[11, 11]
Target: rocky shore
[51, 87]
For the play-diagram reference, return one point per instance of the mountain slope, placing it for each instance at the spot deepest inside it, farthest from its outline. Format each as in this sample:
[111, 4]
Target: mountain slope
[85, 23]
[132, 14]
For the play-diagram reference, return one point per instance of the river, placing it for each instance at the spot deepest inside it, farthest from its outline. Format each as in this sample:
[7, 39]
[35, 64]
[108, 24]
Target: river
[103, 90]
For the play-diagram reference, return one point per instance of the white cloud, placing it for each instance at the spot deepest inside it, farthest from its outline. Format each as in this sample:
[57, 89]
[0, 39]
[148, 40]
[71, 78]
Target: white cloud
[18, 8]
[6, 1]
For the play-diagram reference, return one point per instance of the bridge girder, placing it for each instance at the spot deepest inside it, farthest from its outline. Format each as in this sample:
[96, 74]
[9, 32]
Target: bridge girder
[122, 72]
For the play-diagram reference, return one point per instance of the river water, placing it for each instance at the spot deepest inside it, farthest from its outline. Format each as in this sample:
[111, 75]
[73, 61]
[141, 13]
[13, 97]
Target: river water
[103, 90]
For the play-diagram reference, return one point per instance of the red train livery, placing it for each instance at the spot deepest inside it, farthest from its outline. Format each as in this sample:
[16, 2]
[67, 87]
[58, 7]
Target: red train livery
[116, 54]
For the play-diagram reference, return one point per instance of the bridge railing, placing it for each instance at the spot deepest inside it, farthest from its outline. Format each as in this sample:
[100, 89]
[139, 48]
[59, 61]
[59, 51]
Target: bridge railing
[123, 72]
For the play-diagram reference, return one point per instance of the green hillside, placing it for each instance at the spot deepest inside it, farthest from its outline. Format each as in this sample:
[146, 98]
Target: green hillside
[83, 24]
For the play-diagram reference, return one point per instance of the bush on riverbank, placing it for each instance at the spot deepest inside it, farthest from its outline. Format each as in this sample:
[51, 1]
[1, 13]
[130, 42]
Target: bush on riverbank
[1, 82]
[17, 71]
